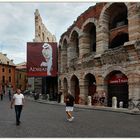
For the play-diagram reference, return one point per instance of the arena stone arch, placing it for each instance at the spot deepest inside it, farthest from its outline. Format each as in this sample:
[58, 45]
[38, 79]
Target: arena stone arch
[105, 9]
[116, 83]
[89, 20]
[74, 88]
[90, 85]
[113, 68]
[65, 38]
[76, 29]
[89, 34]
[105, 22]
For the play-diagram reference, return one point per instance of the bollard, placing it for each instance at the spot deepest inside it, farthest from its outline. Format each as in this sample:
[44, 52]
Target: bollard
[121, 104]
[48, 97]
[62, 99]
[89, 100]
[114, 102]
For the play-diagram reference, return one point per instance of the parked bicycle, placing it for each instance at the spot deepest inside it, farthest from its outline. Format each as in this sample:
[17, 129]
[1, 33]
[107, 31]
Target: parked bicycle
[133, 104]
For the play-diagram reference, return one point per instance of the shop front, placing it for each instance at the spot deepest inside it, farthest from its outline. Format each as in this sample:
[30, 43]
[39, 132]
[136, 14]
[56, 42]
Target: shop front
[118, 87]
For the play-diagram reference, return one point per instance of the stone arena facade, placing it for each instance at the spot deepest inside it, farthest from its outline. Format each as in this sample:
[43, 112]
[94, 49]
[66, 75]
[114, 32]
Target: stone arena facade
[99, 54]
[42, 34]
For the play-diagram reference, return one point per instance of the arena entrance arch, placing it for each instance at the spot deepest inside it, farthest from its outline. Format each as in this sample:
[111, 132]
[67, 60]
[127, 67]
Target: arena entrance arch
[90, 83]
[75, 88]
[117, 86]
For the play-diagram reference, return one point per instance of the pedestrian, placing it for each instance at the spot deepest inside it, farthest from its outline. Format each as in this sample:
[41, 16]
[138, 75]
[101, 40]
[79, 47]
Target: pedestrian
[18, 101]
[9, 93]
[59, 96]
[36, 95]
[1, 95]
[69, 100]
[102, 98]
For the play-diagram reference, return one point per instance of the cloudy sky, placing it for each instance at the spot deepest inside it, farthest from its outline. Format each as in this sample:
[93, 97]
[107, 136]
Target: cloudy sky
[17, 23]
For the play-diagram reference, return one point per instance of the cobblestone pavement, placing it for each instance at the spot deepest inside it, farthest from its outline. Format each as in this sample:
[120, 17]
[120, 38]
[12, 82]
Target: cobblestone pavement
[49, 121]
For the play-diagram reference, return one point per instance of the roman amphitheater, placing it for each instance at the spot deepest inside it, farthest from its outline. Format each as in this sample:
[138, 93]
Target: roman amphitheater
[99, 54]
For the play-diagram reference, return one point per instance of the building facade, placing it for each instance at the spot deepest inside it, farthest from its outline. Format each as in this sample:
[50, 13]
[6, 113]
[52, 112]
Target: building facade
[42, 34]
[7, 74]
[99, 54]
[21, 76]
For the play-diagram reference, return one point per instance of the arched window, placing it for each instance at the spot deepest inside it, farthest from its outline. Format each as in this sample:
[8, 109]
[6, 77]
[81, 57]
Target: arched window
[118, 25]
[75, 43]
[39, 29]
[90, 30]
[48, 39]
[43, 37]
[64, 53]
[119, 17]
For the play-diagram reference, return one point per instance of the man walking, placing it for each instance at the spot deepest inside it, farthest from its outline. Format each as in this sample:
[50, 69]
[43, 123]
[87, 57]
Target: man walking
[18, 101]
[69, 106]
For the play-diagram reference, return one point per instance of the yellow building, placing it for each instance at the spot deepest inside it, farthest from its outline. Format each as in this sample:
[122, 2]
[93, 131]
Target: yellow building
[21, 76]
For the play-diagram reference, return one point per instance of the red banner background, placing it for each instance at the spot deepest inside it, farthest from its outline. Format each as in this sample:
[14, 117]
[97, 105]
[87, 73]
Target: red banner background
[35, 58]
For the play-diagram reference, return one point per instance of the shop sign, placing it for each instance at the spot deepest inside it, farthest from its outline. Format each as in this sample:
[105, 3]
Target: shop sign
[118, 79]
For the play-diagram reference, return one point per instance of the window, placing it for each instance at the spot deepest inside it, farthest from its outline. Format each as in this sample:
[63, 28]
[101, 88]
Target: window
[3, 79]
[3, 69]
[9, 70]
[20, 76]
[9, 78]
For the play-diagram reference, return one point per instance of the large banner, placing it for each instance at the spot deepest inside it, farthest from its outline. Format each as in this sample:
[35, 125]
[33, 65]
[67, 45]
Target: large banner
[41, 59]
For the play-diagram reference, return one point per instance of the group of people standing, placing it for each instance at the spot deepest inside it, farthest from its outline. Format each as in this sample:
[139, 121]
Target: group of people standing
[98, 98]
[2, 93]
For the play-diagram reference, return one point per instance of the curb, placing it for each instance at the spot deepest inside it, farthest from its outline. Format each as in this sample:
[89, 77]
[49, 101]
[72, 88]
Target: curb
[99, 108]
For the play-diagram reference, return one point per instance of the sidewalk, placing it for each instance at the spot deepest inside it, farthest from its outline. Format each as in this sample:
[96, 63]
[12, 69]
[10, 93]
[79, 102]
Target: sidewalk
[100, 108]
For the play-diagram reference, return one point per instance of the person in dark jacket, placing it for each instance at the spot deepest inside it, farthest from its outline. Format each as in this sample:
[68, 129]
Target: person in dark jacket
[10, 95]
[1, 96]
[59, 96]
[69, 100]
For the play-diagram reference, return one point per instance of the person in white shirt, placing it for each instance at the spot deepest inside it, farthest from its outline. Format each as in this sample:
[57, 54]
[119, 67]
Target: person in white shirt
[18, 101]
